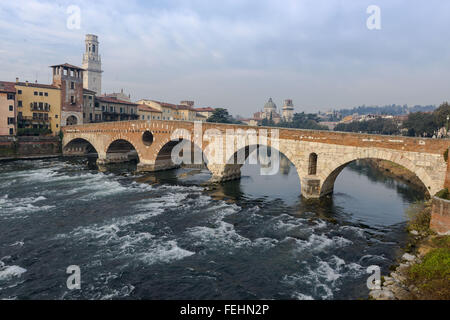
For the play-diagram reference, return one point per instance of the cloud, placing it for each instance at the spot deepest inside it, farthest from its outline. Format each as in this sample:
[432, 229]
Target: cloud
[237, 53]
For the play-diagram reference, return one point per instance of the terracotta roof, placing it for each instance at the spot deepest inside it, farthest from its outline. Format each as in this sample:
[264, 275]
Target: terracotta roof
[185, 107]
[66, 65]
[173, 106]
[88, 91]
[114, 100]
[206, 109]
[145, 108]
[8, 87]
[37, 85]
[167, 105]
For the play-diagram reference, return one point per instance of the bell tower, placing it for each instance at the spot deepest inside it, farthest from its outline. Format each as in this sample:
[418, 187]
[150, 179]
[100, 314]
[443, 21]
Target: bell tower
[288, 110]
[92, 64]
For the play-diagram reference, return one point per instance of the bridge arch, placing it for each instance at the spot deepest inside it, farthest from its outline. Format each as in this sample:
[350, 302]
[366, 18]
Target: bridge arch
[163, 159]
[233, 164]
[121, 150]
[332, 172]
[80, 146]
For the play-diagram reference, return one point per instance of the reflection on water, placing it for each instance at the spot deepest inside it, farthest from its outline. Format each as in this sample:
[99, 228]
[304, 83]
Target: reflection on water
[171, 235]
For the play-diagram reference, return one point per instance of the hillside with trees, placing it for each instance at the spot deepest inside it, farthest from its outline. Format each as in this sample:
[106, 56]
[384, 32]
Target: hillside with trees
[418, 124]
[393, 109]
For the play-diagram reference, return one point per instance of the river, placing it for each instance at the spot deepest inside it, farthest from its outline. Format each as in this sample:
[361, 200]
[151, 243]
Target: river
[169, 235]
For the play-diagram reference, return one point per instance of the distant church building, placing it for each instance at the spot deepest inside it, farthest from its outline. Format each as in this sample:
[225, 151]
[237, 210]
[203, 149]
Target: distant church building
[288, 110]
[270, 109]
[92, 64]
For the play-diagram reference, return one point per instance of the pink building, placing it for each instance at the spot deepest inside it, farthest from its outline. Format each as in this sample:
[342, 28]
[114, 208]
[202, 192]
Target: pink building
[7, 108]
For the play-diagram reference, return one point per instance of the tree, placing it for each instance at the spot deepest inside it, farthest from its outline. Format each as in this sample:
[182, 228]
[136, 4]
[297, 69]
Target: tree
[220, 115]
[375, 126]
[441, 114]
[420, 124]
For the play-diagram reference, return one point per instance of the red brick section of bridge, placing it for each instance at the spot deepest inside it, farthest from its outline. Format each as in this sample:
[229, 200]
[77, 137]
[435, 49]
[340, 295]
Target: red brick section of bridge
[436, 146]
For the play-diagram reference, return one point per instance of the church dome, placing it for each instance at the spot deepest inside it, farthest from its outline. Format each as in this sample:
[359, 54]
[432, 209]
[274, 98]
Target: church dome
[270, 105]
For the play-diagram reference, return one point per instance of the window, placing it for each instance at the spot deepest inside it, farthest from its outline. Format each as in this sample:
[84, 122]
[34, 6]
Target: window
[56, 117]
[35, 93]
[72, 99]
[90, 116]
[57, 125]
[11, 131]
[46, 94]
[312, 167]
[41, 94]
[19, 91]
[19, 115]
[10, 96]
[11, 121]
[11, 108]
[19, 103]
[72, 85]
[41, 106]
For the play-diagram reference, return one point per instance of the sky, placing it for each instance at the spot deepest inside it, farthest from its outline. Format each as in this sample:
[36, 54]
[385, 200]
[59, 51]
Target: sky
[238, 53]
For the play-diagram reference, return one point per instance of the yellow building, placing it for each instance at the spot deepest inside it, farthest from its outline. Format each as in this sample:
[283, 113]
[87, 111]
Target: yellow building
[184, 111]
[206, 112]
[148, 113]
[38, 107]
[187, 113]
[168, 111]
[7, 109]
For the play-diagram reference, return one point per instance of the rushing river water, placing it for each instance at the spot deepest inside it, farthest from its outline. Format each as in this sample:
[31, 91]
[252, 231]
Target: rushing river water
[169, 236]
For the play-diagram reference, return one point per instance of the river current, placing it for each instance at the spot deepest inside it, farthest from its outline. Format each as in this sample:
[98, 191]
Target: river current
[170, 235]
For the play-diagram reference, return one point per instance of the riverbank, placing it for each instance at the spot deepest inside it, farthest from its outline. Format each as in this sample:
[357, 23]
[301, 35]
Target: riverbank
[394, 170]
[423, 272]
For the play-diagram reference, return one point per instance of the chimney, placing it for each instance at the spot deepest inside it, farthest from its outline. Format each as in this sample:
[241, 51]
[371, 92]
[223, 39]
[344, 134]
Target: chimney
[26, 83]
[17, 79]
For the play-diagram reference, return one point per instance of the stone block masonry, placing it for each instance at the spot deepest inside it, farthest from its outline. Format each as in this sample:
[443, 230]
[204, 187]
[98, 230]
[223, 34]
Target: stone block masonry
[29, 147]
[440, 216]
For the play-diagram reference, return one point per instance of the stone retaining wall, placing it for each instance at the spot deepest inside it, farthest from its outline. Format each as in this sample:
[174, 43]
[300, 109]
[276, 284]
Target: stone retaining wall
[22, 147]
[440, 216]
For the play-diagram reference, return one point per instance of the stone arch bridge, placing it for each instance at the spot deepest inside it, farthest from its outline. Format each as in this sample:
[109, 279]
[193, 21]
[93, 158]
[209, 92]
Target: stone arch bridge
[318, 156]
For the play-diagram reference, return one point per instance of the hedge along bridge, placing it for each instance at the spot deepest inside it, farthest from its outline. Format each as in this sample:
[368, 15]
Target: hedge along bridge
[318, 156]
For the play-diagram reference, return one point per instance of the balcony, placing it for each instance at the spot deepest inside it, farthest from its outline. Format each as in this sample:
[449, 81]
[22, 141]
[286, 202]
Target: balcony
[33, 119]
[35, 107]
[40, 109]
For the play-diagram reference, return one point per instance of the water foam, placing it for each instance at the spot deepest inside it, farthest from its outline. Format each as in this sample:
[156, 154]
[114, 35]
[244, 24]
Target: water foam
[10, 272]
